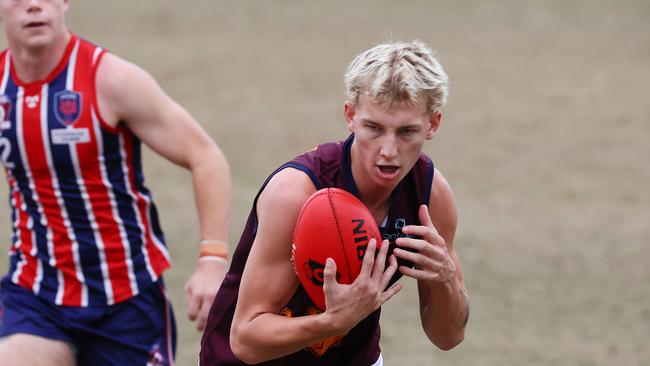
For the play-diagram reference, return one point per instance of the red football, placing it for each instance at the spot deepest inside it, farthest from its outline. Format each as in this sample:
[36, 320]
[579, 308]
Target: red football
[332, 224]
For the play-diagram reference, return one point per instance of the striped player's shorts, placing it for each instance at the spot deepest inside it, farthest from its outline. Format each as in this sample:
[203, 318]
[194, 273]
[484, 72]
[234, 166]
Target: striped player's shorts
[139, 331]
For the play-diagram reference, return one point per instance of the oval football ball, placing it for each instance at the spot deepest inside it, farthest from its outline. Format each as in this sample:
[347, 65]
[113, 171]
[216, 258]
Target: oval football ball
[332, 224]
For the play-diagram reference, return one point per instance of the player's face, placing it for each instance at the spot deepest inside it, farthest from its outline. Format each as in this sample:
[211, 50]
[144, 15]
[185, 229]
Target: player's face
[388, 141]
[33, 23]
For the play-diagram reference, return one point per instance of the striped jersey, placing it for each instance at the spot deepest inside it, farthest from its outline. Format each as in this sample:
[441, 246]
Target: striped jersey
[85, 229]
[329, 165]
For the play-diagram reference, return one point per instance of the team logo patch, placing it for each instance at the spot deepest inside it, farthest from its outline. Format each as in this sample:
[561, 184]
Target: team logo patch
[32, 100]
[67, 106]
[5, 108]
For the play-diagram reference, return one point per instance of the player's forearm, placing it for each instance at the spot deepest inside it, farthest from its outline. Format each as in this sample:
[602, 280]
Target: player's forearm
[271, 336]
[445, 315]
[211, 178]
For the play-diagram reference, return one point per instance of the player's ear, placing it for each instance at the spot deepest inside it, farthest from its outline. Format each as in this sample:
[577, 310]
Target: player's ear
[349, 111]
[434, 124]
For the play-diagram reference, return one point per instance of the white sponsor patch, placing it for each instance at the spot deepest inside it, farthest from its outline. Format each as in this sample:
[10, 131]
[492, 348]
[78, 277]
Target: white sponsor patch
[70, 135]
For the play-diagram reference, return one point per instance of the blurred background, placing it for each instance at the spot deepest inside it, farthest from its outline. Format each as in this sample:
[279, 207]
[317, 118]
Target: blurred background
[545, 141]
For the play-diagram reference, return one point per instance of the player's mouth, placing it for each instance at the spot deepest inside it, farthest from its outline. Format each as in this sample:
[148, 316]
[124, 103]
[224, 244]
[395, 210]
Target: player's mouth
[388, 171]
[35, 25]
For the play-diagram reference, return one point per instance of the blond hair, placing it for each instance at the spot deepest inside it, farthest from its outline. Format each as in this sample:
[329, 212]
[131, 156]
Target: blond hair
[398, 72]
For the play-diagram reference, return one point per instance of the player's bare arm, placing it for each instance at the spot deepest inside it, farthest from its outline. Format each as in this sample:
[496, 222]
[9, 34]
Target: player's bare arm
[128, 94]
[258, 333]
[444, 307]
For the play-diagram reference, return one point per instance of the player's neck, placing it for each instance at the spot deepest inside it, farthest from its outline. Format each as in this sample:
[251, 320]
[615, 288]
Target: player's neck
[376, 198]
[379, 209]
[33, 64]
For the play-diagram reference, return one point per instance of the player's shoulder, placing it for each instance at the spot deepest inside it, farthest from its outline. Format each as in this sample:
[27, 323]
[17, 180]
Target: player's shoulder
[440, 188]
[442, 204]
[123, 87]
[116, 71]
[424, 159]
[289, 181]
[289, 184]
[325, 151]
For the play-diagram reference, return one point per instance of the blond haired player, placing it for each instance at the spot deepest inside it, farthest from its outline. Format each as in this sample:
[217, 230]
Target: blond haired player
[261, 313]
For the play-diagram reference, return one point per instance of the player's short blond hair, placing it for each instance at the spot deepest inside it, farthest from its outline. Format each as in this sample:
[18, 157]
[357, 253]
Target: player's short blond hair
[398, 72]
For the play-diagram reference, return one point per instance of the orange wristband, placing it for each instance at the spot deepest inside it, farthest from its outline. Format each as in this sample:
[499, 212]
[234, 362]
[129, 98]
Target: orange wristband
[213, 248]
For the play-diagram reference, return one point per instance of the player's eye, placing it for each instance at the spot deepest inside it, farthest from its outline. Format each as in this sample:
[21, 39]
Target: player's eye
[372, 127]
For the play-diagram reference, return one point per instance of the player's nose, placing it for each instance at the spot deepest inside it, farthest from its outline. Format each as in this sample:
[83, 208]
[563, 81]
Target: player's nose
[388, 147]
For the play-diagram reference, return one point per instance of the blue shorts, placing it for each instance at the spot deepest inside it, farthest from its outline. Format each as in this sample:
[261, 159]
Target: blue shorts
[139, 331]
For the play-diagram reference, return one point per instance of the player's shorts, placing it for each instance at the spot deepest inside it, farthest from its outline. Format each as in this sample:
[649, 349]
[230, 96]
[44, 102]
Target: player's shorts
[139, 331]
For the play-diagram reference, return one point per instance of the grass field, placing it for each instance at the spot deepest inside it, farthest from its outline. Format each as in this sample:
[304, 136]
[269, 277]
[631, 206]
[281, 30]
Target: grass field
[545, 140]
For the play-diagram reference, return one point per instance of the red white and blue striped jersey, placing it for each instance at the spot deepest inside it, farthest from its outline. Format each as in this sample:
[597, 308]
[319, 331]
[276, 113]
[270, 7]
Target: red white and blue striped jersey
[85, 229]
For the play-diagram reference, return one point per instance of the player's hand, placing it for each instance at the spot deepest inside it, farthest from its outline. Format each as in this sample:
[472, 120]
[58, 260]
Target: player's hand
[201, 289]
[346, 305]
[433, 264]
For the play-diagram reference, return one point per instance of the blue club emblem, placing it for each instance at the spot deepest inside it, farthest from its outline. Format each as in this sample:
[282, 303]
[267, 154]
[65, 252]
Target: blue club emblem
[67, 105]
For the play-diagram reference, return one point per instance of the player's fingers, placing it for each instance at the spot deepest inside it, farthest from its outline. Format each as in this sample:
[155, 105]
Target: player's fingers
[329, 274]
[193, 307]
[368, 259]
[390, 271]
[420, 230]
[200, 324]
[430, 234]
[414, 244]
[419, 274]
[202, 316]
[421, 256]
[380, 261]
[390, 292]
[425, 218]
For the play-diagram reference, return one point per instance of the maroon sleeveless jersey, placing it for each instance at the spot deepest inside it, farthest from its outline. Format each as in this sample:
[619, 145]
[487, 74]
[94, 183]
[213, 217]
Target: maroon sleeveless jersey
[328, 166]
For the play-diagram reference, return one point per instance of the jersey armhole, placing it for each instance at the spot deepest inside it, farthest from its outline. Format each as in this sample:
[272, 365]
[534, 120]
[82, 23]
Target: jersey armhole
[305, 170]
[428, 186]
[96, 110]
[4, 70]
[297, 166]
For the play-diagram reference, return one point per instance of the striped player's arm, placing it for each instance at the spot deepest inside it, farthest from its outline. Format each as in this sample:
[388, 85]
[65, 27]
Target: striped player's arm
[129, 96]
